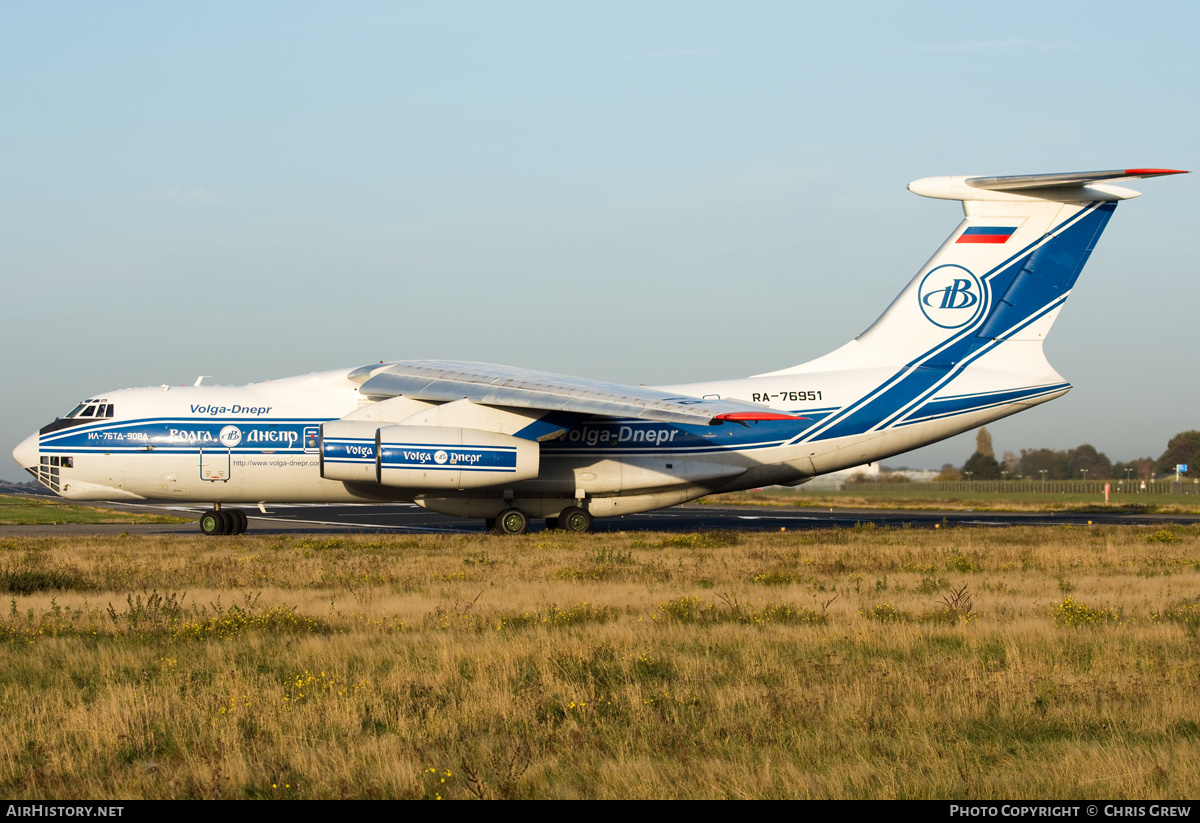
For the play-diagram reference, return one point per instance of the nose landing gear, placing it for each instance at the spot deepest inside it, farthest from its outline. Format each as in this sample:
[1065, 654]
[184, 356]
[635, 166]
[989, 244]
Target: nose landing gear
[218, 521]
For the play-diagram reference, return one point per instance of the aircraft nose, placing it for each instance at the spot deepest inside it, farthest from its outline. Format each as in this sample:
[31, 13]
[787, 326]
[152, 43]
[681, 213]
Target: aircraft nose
[26, 454]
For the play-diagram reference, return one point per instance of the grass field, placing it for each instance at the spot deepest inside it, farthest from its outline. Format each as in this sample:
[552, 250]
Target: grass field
[958, 663]
[929, 497]
[17, 510]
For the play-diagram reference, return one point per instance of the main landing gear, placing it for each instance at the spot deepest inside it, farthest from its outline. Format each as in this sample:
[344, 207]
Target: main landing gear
[511, 521]
[220, 521]
[515, 521]
[574, 519]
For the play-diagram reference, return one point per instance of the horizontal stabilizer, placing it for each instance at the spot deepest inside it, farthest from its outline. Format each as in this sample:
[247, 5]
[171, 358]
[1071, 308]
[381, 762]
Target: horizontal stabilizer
[1076, 186]
[1078, 178]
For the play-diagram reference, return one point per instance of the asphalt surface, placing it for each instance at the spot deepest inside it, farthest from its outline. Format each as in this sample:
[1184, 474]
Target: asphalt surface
[394, 518]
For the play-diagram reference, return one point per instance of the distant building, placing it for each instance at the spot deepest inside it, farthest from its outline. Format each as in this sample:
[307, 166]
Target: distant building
[836, 480]
[918, 475]
[870, 473]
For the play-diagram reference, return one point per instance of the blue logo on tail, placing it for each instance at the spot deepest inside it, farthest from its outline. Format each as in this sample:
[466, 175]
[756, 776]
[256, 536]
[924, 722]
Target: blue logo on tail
[951, 297]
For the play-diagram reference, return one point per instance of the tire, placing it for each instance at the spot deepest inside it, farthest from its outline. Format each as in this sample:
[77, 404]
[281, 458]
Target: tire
[575, 519]
[211, 522]
[242, 522]
[512, 521]
[489, 524]
[551, 523]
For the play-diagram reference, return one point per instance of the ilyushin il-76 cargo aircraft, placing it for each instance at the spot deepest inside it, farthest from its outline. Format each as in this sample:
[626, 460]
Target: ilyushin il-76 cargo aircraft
[960, 346]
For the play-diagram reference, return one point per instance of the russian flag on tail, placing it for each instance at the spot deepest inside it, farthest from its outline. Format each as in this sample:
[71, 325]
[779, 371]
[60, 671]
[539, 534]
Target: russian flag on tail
[986, 234]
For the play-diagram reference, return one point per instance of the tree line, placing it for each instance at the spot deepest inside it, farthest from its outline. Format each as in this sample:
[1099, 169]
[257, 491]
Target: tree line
[1082, 462]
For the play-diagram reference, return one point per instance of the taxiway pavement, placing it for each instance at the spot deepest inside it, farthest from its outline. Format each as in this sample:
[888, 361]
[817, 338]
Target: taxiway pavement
[400, 518]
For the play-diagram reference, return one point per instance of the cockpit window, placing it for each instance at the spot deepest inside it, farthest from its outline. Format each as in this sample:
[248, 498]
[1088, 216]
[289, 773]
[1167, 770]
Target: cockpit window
[92, 408]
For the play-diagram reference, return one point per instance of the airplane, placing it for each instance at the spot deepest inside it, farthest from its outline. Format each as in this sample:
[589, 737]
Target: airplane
[959, 347]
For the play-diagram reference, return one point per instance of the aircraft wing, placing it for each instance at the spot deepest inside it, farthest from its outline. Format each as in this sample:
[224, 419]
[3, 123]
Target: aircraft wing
[492, 385]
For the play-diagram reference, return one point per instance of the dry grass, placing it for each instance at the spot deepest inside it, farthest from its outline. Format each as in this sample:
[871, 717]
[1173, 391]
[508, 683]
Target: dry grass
[933, 497]
[960, 663]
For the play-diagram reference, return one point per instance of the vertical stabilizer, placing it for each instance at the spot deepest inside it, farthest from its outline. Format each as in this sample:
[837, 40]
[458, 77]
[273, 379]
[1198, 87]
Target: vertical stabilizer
[1002, 275]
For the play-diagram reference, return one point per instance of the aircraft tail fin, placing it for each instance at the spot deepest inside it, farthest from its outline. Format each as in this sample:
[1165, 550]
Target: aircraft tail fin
[1002, 275]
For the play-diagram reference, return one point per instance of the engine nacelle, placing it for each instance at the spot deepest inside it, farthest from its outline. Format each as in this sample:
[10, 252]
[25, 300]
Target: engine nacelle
[438, 457]
[348, 450]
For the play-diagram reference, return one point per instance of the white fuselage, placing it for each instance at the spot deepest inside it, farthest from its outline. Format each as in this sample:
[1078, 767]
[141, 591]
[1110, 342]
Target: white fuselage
[259, 443]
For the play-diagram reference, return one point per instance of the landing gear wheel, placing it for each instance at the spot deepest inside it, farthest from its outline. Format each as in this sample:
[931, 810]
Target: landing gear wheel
[551, 523]
[575, 519]
[213, 522]
[490, 524]
[512, 521]
[241, 522]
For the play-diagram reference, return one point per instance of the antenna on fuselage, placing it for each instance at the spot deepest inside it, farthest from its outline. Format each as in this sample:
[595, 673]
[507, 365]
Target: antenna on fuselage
[201, 378]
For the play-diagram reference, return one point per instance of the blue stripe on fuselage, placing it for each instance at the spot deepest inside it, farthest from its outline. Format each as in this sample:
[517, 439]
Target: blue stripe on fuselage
[950, 406]
[612, 436]
[183, 435]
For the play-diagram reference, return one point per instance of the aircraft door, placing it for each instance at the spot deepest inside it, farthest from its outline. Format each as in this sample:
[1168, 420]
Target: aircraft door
[215, 464]
[216, 460]
[133, 476]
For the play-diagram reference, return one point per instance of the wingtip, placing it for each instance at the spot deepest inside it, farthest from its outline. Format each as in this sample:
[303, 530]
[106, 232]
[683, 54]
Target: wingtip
[1155, 172]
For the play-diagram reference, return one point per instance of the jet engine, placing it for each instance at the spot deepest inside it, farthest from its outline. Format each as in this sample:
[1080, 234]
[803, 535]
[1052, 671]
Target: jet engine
[438, 457]
[424, 457]
[348, 451]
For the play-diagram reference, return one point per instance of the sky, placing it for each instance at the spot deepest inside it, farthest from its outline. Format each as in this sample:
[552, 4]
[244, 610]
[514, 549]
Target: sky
[640, 192]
